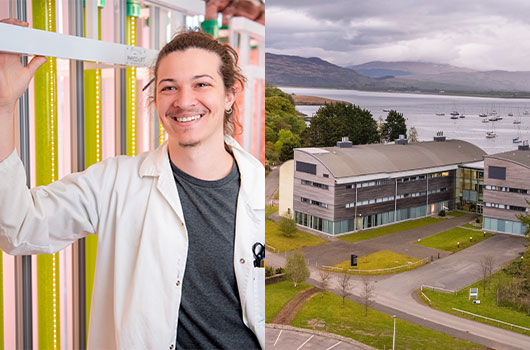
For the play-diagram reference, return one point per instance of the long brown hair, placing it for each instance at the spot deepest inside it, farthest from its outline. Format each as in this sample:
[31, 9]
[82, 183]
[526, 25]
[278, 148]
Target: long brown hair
[229, 71]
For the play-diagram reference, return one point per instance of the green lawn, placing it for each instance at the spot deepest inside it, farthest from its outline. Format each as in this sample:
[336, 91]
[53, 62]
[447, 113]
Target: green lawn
[270, 209]
[383, 259]
[279, 294]
[298, 240]
[472, 226]
[448, 240]
[457, 213]
[375, 329]
[386, 230]
[487, 307]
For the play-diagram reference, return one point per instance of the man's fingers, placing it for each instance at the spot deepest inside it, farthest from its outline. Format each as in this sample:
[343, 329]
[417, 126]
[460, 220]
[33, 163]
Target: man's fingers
[14, 21]
[35, 63]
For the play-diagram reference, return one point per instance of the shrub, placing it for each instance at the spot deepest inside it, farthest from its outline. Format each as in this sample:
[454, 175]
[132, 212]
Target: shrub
[441, 213]
[269, 271]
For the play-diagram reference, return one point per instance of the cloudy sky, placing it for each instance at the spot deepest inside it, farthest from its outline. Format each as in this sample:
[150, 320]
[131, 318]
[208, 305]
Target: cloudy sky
[477, 34]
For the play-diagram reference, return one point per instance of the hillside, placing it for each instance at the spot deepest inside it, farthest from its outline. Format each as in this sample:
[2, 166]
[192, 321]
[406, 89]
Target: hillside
[417, 77]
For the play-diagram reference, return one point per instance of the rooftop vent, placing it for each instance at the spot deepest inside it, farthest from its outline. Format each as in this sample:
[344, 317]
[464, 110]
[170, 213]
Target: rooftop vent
[401, 141]
[439, 137]
[345, 143]
[524, 146]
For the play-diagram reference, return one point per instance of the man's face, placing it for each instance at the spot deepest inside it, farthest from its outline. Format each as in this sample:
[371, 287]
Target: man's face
[191, 98]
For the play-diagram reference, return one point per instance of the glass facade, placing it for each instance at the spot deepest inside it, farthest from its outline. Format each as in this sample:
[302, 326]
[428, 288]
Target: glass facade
[469, 189]
[505, 226]
[364, 222]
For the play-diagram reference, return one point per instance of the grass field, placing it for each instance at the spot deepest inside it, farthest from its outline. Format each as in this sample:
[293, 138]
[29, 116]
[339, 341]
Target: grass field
[472, 226]
[279, 294]
[298, 240]
[375, 329]
[386, 230]
[270, 209]
[383, 259]
[457, 213]
[283, 243]
[487, 307]
[449, 239]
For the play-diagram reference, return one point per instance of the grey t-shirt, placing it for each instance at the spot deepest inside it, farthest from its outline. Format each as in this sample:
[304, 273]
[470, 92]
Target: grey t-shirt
[210, 314]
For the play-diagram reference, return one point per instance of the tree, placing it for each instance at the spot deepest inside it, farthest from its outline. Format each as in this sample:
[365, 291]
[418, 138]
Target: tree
[286, 144]
[413, 135]
[486, 266]
[367, 294]
[334, 121]
[287, 226]
[345, 285]
[324, 276]
[525, 221]
[296, 269]
[394, 126]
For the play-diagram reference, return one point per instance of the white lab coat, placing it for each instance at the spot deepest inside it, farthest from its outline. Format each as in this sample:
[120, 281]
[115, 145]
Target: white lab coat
[132, 204]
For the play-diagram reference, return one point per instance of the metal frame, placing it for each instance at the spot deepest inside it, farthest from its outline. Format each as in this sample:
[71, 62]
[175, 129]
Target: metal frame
[241, 31]
[31, 41]
[23, 279]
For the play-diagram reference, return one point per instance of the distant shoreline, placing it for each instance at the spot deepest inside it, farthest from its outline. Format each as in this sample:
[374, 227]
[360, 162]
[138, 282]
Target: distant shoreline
[524, 95]
[304, 100]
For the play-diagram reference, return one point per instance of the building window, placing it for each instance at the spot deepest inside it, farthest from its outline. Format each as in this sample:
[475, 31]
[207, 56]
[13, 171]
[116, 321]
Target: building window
[306, 168]
[505, 206]
[319, 204]
[496, 172]
[314, 184]
[506, 189]
[325, 175]
[304, 200]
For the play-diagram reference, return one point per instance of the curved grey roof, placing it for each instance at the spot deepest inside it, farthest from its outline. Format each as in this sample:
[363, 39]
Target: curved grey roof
[388, 158]
[516, 156]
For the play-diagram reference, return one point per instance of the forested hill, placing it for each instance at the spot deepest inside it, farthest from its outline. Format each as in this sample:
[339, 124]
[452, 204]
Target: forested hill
[283, 70]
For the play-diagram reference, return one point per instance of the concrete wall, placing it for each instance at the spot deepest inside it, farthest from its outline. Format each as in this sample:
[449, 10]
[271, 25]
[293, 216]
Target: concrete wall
[517, 176]
[286, 188]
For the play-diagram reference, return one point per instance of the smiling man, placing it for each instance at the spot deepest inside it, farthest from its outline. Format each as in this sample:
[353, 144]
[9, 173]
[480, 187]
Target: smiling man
[177, 227]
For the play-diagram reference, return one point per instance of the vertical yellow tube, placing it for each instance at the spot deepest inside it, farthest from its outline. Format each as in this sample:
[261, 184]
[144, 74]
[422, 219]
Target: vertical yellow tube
[46, 167]
[133, 11]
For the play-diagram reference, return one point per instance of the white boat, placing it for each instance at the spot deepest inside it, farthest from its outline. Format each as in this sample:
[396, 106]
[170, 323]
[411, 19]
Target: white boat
[485, 120]
[440, 114]
[510, 114]
[490, 134]
[517, 121]
[526, 113]
[461, 116]
[483, 115]
[453, 113]
[517, 140]
[454, 116]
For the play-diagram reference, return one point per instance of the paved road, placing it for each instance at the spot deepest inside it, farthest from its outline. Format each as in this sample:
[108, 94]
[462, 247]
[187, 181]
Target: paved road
[394, 293]
[338, 250]
[271, 184]
[291, 338]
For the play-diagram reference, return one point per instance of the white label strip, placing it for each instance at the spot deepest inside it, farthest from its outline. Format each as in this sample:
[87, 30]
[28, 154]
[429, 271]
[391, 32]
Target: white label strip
[31, 41]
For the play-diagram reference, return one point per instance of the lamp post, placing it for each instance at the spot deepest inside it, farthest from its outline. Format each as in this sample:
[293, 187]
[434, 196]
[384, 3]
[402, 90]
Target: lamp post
[394, 336]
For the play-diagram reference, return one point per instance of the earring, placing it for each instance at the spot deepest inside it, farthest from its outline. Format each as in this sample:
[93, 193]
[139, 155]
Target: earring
[229, 111]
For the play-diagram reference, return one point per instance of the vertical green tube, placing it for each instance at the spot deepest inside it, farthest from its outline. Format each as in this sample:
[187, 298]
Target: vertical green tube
[46, 168]
[93, 154]
[133, 11]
